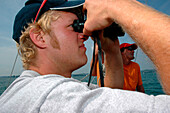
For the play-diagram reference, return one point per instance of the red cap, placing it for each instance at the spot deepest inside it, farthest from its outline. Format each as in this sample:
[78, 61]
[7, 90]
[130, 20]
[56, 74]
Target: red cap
[125, 45]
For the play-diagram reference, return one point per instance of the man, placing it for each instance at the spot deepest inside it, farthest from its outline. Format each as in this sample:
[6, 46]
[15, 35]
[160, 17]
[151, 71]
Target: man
[53, 52]
[146, 26]
[132, 74]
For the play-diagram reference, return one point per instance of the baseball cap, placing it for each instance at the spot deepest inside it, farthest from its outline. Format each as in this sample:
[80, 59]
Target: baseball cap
[126, 45]
[32, 9]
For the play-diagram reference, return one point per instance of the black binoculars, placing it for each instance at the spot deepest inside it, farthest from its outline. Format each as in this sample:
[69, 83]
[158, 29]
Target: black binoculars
[112, 32]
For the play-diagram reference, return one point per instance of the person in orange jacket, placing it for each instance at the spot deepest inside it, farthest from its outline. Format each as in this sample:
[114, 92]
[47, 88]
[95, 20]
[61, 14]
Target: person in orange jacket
[132, 74]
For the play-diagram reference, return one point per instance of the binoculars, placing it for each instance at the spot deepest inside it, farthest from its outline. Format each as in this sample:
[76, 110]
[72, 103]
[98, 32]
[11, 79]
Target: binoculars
[112, 32]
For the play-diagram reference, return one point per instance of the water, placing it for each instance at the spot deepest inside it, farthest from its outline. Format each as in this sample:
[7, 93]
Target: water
[149, 77]
[5, 81]
[151, 83]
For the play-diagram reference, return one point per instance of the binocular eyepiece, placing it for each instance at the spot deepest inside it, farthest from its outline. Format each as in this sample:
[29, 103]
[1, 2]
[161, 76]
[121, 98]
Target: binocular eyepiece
[78, 26]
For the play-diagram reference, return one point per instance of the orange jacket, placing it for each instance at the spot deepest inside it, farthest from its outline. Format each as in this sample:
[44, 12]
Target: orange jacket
[132, 76]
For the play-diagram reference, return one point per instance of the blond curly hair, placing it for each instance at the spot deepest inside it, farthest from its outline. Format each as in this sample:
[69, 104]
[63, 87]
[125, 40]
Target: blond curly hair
[27, 48]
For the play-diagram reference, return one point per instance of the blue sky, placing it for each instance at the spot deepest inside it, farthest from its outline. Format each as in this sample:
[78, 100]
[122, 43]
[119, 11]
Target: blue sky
[8, 50]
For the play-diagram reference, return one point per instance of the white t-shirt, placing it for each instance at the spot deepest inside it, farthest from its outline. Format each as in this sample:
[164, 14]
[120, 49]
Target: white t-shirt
[33, 93]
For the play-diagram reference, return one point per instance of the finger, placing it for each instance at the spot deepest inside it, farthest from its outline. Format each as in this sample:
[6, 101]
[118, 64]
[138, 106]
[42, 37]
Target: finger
[87, 32]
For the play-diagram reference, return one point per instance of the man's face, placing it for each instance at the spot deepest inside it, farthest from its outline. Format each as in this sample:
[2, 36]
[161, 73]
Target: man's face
[129, 54]
[70, 51]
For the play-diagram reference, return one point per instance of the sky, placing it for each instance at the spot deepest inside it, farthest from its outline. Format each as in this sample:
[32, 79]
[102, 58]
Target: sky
[8, 50]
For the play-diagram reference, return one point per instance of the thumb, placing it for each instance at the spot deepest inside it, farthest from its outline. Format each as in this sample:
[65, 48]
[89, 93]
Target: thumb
[86, 30]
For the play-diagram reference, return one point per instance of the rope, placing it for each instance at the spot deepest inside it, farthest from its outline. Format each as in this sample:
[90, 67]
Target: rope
[93, 79]
[12, 69]
[84, 77]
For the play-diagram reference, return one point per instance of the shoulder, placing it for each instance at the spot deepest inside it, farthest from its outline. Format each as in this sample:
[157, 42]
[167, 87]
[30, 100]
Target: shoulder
[104, 100]
[134, 64]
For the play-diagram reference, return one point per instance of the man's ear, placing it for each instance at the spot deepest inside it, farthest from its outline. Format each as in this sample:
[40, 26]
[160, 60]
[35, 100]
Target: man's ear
[37, 38]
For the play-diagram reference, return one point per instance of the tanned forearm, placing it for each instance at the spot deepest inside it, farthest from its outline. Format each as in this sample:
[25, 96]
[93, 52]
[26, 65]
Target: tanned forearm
[150, 29]
[114, 76]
